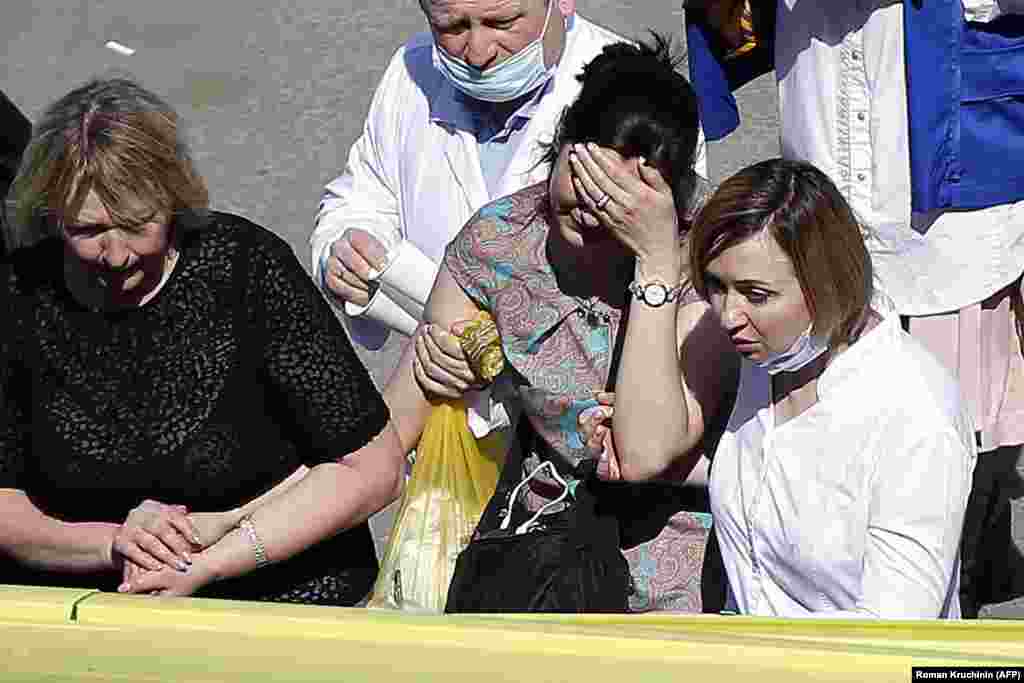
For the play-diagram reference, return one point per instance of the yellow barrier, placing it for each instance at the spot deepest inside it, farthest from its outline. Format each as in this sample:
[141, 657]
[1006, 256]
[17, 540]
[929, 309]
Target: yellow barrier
[64, 635]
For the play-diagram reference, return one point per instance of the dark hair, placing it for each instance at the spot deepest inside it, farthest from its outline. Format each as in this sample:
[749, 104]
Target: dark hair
[112, 136]
[813, 225]
[634, 100]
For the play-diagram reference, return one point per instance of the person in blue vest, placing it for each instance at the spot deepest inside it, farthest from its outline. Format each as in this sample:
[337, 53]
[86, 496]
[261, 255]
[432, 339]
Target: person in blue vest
[916, 111]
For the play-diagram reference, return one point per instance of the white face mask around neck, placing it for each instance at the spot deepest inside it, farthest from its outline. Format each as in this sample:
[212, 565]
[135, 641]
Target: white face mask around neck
[804, 349]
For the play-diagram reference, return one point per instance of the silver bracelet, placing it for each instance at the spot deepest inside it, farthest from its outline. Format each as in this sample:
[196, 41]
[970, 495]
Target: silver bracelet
[249, 528]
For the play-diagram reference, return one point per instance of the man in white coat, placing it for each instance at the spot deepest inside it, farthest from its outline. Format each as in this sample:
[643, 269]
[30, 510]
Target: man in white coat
[455, 122]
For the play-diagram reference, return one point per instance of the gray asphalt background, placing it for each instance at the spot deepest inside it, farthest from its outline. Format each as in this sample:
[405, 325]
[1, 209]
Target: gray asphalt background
[275, 93]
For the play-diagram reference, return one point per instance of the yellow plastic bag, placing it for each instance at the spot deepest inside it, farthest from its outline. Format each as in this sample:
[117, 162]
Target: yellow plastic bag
[453, 479]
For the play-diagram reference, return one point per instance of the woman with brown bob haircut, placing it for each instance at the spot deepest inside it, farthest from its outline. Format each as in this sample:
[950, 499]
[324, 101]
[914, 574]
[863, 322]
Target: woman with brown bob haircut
[839, 486]
[813, 225]
[178, 405]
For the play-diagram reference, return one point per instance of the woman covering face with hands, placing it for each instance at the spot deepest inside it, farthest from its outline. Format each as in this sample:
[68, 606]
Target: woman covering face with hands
[561, 266]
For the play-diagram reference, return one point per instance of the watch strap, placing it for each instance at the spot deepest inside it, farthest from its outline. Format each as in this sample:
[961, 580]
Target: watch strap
[638, 289]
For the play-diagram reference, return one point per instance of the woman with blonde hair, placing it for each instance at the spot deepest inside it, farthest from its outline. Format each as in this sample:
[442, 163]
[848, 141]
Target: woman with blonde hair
[178, 405]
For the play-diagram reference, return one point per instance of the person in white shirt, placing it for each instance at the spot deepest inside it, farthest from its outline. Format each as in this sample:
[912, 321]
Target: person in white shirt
[454, 124]
[839, 486]
[953, 272]
[950, 258]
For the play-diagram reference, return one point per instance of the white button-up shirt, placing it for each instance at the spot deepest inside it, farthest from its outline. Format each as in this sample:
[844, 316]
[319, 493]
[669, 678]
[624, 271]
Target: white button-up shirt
[854, 507]
[842, 98]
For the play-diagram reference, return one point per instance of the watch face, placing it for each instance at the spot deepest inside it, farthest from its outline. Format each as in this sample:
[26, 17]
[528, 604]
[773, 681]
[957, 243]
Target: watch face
[655, 294]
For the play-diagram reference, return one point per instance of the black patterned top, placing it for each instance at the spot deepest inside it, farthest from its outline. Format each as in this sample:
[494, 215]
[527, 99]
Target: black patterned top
[217, 389]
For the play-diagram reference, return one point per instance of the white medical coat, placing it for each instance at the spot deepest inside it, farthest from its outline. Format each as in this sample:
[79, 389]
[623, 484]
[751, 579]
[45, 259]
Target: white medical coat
[412, 176]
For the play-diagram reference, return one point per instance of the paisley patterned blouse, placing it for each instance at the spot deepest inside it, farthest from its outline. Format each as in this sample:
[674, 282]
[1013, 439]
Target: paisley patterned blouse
[559, 350]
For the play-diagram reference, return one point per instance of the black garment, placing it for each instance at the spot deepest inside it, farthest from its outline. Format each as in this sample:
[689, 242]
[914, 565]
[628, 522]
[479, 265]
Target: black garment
[217, 389]
[15, 132]
[992, 564]
[568, 562]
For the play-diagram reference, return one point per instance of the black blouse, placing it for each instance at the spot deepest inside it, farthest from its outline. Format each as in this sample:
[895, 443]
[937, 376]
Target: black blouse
[217, 389]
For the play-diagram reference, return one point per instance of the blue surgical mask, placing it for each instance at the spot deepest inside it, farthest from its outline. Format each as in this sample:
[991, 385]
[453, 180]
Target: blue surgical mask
[804, 349]
[521, 73]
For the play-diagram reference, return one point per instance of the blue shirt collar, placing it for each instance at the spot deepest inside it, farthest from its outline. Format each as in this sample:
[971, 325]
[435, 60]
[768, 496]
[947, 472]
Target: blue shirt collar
[450, 107]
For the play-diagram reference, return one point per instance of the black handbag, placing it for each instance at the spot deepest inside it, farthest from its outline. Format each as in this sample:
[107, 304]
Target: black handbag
[566, 561]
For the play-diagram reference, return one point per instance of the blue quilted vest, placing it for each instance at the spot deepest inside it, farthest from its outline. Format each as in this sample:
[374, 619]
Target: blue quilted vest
[965, 97]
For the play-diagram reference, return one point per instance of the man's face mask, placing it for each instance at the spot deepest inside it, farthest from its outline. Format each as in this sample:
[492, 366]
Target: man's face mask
[521, 73]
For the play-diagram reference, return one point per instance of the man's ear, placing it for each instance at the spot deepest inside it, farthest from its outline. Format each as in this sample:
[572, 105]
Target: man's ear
[566, 7]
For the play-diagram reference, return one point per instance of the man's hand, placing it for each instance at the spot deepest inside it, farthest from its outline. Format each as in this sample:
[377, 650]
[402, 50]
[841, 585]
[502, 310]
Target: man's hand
[355, 259]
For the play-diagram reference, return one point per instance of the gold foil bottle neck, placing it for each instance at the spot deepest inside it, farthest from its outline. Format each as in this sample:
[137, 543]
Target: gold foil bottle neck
[482, 346]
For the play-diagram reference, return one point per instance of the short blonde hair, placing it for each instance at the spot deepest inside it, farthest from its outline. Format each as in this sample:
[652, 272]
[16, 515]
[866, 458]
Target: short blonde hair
[807, 216]
[116, 138]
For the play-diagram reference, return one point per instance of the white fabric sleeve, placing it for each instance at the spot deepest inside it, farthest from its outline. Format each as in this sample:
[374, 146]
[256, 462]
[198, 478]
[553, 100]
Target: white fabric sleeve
[916, 516]
[989, 10]
[365, 195]
[700, 162]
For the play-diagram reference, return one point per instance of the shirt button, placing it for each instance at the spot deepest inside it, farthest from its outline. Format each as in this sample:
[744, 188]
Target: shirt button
[861, 116]
[861, 177]
[855, 55]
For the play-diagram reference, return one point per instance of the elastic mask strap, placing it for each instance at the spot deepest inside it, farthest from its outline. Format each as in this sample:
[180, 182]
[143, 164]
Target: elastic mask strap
[522, 528]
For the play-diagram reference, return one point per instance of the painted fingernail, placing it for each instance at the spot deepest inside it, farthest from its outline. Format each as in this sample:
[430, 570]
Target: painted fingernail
[182, 567]
[124, 588]
[188, 557]
[197, 540]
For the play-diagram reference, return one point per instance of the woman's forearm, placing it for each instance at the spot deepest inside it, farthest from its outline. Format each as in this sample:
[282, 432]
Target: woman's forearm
[409, 406]
[329, 499]
[651, 413]
[238, 513]
[38, 541]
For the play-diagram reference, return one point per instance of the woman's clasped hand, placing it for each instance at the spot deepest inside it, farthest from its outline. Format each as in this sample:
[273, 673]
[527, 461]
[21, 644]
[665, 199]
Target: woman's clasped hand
[155, 536]
[158, 537]
[595, 424]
